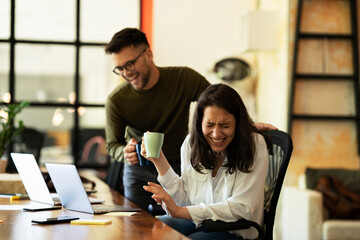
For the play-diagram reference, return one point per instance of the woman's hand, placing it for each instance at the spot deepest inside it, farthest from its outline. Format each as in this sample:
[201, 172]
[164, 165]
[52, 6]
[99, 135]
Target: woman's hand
[161, 163]
[167, 202]
[143, 153]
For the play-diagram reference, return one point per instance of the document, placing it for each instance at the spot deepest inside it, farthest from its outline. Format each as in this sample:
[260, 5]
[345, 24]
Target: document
[12, 207]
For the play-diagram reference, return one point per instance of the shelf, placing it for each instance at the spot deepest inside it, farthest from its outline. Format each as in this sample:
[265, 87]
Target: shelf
[322, 117]
[324, 76]
[326, 35]
[351, 40]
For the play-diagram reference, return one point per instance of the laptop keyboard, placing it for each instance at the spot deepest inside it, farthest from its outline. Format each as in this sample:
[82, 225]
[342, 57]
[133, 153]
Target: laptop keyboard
[100, 209]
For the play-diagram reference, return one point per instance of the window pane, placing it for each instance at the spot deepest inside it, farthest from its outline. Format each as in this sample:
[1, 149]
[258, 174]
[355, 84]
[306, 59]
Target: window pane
[96, 75]
[92, 117]
[101, 19]
[92, 138]
[56, 124]
[45, 72]
[45, 20]
[5, 19]
[4, 72]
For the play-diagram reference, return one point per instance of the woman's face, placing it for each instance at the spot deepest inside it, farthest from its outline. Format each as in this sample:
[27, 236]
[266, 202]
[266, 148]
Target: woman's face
[218, 128]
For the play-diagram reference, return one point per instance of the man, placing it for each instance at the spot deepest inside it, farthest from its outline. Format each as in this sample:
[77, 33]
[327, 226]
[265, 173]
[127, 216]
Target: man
[152, 98]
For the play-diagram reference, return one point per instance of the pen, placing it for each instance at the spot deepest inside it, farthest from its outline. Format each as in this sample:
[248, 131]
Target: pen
[22, 197]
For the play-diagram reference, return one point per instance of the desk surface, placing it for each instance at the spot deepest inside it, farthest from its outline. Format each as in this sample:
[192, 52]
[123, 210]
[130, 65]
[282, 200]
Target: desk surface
[17, 223]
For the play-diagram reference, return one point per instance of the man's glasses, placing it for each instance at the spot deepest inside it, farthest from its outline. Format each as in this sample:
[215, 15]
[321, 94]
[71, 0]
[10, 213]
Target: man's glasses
[129, 66]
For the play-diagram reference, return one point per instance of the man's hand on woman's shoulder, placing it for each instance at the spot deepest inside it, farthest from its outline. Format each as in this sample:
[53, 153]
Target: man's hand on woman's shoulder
[265, 126]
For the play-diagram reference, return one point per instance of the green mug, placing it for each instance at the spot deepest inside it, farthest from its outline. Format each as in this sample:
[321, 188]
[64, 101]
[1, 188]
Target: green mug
[153, 143]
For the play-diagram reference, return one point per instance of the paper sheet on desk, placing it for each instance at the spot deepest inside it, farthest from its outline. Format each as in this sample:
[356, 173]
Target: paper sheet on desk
[13, 207]
[6, 195]
[120, 214]
[20, 207]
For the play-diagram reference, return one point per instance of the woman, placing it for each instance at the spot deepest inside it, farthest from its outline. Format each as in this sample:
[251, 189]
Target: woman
[224, 162]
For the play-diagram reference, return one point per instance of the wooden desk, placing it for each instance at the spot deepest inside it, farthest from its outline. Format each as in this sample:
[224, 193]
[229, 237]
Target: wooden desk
[17, 223]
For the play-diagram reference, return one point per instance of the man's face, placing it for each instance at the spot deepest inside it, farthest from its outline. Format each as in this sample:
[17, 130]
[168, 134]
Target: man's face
[134, 66]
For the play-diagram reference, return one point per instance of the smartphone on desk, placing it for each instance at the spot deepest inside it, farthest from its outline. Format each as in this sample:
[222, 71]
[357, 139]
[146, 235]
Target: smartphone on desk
[91, 191]
[41, 208]
[64, 219]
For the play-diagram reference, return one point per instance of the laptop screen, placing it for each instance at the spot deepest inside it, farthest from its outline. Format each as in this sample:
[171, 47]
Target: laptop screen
[32, 178]
[69, 187]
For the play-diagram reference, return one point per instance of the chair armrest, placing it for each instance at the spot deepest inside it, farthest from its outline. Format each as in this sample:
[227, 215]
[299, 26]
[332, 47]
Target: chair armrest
[217, 226]
[302, 214]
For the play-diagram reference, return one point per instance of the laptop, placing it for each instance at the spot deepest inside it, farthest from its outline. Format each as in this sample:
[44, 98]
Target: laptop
[34, 182]
[32, 178]
[72, 194]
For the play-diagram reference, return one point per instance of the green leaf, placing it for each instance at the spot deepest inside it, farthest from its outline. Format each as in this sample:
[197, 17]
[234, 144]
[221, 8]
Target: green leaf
[8, 127]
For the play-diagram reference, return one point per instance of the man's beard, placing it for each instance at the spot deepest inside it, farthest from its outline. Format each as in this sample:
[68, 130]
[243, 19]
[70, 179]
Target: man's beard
[144, 80]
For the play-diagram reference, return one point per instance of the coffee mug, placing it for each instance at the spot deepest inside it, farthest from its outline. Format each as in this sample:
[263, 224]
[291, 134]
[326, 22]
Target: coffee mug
[142, 161]
[153, 143]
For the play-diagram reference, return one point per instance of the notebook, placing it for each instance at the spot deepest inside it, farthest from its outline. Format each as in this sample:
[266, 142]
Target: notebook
[72, 194]
[34, 182]
[32, 178]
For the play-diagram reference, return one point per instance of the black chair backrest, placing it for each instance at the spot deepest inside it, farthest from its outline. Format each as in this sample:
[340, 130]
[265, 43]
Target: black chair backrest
[278, 163]
[29, 141]
[34, 140]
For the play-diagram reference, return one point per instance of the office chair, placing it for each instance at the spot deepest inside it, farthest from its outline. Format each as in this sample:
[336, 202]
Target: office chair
[278, 163]
[29, 141]
[114, 176]
[91, 146]
[92, 151]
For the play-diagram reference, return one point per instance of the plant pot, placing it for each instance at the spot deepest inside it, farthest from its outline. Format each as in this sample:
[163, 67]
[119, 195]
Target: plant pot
[3, 164]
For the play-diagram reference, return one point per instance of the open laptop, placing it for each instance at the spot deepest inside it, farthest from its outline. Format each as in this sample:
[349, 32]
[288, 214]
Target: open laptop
[72, 194]
[34, 182]
[32, 178]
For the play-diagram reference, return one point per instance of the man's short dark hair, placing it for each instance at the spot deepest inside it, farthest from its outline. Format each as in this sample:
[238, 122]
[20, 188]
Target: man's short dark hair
[126, 38]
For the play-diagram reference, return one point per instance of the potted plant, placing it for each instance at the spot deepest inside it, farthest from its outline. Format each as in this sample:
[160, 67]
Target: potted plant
[10, 129]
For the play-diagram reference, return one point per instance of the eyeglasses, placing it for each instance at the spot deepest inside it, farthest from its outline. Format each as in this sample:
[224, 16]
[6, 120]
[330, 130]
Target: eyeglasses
[129, 66]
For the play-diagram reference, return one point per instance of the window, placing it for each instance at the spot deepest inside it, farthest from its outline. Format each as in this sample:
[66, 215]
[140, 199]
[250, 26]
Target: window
[52, 54]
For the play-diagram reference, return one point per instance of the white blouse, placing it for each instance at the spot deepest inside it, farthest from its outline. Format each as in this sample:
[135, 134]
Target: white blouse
[235, 196]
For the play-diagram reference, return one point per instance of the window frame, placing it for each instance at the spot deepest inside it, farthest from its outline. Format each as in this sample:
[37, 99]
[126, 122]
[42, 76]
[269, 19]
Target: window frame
[77, 43]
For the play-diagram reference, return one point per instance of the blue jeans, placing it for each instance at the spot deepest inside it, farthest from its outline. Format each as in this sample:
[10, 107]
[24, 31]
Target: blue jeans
[134, 178]
[187, 228]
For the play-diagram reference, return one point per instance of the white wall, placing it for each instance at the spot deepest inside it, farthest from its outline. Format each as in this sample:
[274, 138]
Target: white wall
[274, 79]
[198, 33]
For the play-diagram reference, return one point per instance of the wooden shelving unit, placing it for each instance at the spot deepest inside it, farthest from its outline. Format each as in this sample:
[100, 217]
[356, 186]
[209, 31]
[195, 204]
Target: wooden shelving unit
[325, 77]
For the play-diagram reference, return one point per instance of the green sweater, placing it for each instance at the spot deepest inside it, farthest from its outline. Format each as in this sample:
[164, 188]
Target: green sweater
[163, 108]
